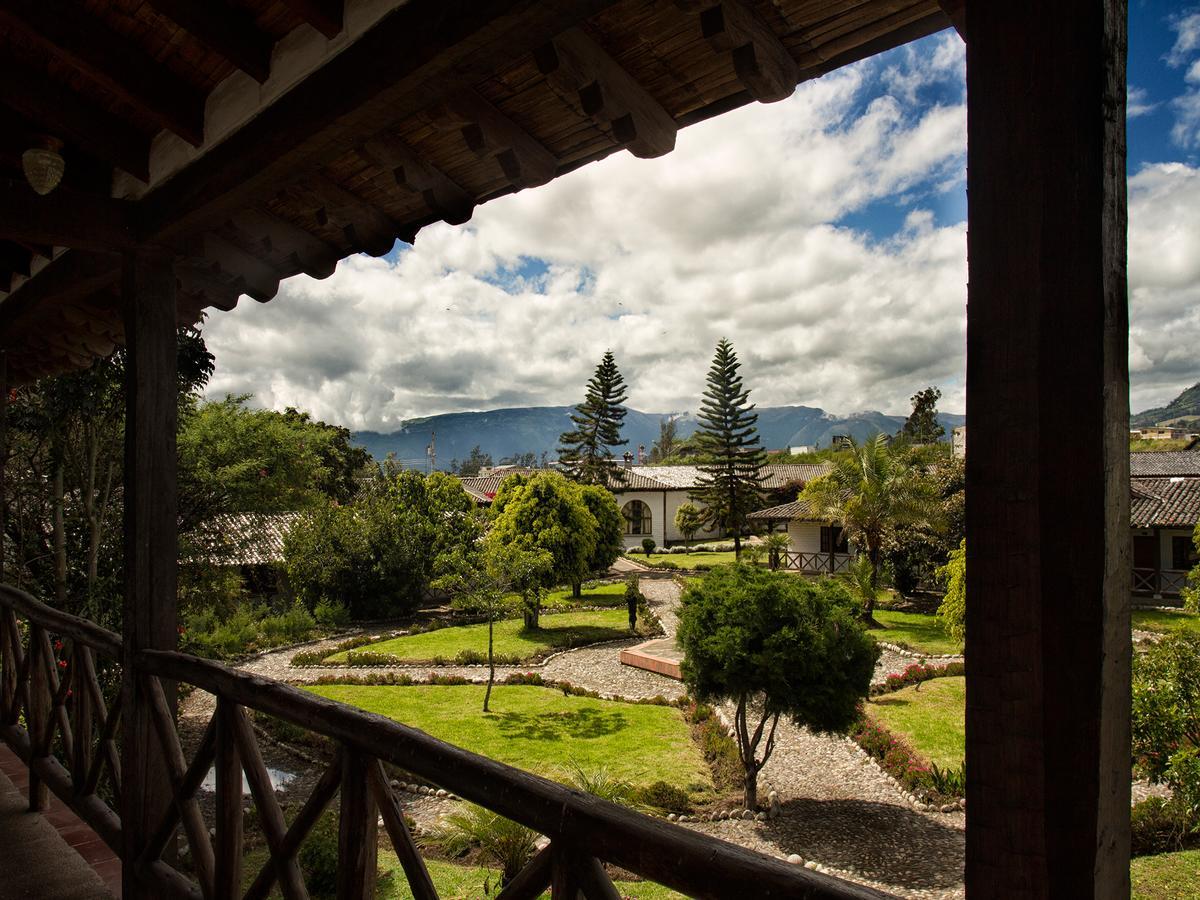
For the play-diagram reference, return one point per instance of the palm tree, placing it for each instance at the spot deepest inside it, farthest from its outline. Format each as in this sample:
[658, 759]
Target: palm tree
[872, 492]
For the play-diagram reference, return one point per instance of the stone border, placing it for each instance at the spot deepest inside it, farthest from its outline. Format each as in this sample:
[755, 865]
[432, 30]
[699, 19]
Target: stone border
[908, 651]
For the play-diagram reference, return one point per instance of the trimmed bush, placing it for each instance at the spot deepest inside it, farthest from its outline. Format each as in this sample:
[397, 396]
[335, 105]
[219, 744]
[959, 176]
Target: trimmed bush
[648, 545]
[663, 797]
[1160, 826]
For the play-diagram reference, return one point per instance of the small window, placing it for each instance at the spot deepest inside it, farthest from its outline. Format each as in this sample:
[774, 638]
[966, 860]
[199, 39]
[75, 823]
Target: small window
[637, 518]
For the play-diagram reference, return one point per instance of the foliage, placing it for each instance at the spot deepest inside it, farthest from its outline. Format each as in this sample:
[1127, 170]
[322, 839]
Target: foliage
[318, 857]
[585, 452]
[776, 544]
[547, 512]
[475, 461]
[1159, 825]
[719, 749]
[247, 628]
[930, 715]
[648, 545]
[1191, 593]
[953, 609]
[774, 645]
[917, 673]
[502, 841]
[331, 615]
[668, 433]
[377, 555]
[634, 599]
[610, 528]
[731, 474]
[922, 426]
[600, 782]
[661, 796]
[915, 552]
[1166, 717]
[894, 756]
[689, 520]
[861, 582]
[872, 492]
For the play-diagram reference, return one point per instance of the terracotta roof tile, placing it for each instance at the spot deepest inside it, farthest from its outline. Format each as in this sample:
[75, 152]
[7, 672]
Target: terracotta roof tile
[1164, 463]
[1165, 502]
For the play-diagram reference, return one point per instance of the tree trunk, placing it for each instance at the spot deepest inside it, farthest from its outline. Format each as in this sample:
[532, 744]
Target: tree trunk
[869, 608]
[487, 695]
[577, 589]
[60, 537]
[531, 615]
[750, 794]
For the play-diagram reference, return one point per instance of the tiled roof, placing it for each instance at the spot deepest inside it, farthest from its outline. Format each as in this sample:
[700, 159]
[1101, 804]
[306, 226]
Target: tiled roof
[244, 539]
[1165, 502]
[1164, 463]
[797, 510]
[659, 478]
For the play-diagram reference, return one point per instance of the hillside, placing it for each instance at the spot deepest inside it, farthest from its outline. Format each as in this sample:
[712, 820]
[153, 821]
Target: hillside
[1186, 405]
[507, 432]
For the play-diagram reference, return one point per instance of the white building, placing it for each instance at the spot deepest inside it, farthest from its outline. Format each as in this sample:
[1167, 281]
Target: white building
[817, 544]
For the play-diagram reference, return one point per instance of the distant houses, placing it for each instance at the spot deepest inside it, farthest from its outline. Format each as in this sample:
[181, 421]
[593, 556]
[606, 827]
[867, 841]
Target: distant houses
[1164, 508]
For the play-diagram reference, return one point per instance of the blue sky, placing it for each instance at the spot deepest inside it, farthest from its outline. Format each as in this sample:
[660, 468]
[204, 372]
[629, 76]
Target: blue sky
[828, 244]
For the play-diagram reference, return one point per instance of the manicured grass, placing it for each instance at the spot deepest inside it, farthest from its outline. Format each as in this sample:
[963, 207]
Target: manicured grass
[688, 560]
[918, 631]
[930, 716]
[456, 882]
[542, 730]
[1165, 620]
[559, 630]
[1167, 876]
[596, 595]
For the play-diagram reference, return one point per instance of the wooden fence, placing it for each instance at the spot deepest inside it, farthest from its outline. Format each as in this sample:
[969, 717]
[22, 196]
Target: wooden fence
[57, 716]
[815, 563]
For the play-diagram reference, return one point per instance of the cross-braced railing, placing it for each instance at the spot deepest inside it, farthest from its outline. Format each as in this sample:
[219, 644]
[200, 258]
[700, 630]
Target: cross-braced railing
[815, 563]
[45, 715]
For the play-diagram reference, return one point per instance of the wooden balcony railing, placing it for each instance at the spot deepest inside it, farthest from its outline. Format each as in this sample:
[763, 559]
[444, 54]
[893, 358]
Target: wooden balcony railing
[46, 718]
[1159, 581]
[815, 563]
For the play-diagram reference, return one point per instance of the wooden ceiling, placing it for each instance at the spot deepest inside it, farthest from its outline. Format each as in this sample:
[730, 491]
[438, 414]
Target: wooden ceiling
[438, 106]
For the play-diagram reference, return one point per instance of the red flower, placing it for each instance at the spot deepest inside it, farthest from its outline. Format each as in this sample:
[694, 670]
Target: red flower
[181, 630]
[62, 663]
[58, 645]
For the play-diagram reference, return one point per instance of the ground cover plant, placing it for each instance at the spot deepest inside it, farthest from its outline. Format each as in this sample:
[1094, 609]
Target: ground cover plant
[247, 629]
[546, 730]
[687, 560]
[513, 641]
[929, 716]
[1165, 620]
[920, 632]
[1168, 876]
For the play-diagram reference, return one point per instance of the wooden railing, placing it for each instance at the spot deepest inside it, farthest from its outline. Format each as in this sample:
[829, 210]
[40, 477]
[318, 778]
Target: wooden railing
[815, 563]
[1159, 581]
[43, 719]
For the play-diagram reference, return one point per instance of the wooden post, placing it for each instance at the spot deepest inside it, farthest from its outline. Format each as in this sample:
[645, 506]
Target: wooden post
[1048, 567]
[358, 827]
[37, 715]
[149, 620]
[228, 804]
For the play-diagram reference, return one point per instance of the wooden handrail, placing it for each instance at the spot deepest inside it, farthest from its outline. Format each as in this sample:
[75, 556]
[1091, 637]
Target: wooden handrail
[59, 622]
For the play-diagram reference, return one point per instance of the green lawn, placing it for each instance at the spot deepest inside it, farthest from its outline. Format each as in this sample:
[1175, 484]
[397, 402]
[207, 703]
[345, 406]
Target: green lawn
[543, 731]
[1167, 876]
[930, 716]
[918, 631]
[559, 630]
[1165, 620]
[687, 560]
[595, 595]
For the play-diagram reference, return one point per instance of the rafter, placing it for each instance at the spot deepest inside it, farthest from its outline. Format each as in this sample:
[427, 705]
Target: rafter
[762, 63]
[956, 12]
[488, 132]
[110, 60]
[323, 15]
[64, 218]
[62, 113]
[314, 257]
[364, 226]
[441, 194]
[257, 278]
[594, 83]
[224, 29]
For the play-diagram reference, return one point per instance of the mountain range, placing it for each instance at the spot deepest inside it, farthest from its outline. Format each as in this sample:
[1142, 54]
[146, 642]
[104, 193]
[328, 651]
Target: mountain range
[503, 433]
[1185, 406]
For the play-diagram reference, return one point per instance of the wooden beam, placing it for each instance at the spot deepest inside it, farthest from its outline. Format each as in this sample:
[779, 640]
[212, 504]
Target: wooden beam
[151, 547]
[490, 133]
[65, 115]
[323, 15]
[761, 61]
[592, 82]
[364, 226]
[258, 279]
[73, 276]
[224, 29]
[956, 12]
[110, 60]
[419, 52]
[441, 194]
[1048, 568]
[314, 257]
[65, 218]
[203, 280]
[14, 258]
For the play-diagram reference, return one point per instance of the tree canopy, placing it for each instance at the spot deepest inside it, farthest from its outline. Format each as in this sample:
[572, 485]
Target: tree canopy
[774, 645]
[922, 426]
[731, 473]
[585, 451]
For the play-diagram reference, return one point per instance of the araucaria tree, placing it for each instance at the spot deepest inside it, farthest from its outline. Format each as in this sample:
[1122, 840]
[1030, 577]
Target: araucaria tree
[585, 452]
[871, 492]
[774, 645]
[731, 475]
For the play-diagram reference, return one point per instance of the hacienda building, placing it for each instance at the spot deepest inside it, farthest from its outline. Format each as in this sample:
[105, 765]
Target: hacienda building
[1164, 509]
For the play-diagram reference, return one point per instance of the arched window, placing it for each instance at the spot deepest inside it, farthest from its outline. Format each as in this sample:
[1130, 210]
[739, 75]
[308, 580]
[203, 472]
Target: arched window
[637, 518]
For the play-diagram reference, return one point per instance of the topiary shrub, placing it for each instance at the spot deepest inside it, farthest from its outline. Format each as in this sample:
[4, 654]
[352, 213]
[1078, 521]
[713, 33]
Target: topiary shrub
[648, 545]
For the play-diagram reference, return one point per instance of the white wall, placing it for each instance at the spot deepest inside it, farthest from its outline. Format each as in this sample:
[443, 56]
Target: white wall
[805, 536]
[663, 507]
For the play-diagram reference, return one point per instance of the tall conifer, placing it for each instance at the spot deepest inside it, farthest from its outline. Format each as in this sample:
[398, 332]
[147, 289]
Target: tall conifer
[731, 474]
[585, 452]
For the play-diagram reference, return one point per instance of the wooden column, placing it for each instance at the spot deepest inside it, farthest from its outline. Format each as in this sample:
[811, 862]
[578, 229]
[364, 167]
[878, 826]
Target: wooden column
[149, 620]
[358, 829]
[1048, 566]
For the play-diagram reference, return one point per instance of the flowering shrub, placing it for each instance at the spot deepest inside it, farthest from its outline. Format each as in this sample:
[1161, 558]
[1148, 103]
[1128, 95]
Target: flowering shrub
[904, 764]
[918, 672]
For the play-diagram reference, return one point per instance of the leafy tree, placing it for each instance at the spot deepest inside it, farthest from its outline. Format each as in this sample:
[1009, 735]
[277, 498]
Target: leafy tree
[731, 474]
[610, 530]
[915, 553]
[872, 491]
[1166, 717]
[953, 610]
[664, 448]
[586, 451]
[774, 645]
[689, 520]
[1191, 593]
[633, 599]
[340, 460]
[548, 512]
[776, 544]
[922, 426]
[475, 461]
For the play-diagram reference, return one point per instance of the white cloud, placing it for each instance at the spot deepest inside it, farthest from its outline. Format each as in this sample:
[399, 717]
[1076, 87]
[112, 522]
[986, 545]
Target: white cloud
[730, 235]
[1138, 103]
[1186, 130]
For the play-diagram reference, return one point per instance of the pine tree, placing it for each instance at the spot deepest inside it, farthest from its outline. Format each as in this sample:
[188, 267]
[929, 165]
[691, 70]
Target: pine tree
[586, 451]
[731, 475]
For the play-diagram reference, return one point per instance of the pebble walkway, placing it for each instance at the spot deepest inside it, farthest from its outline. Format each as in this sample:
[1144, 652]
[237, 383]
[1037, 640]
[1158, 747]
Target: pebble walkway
[838, 809]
